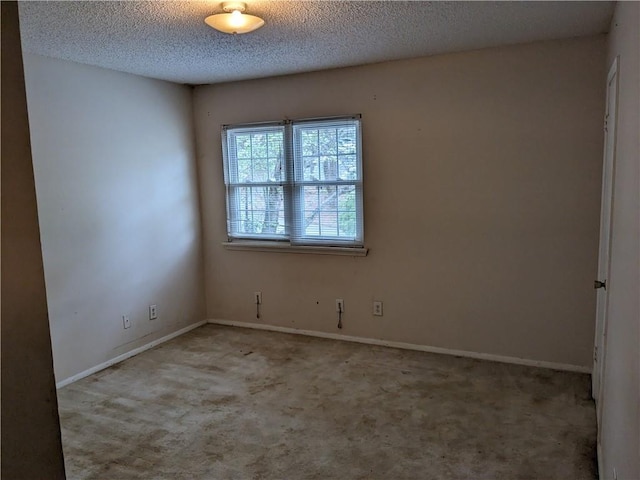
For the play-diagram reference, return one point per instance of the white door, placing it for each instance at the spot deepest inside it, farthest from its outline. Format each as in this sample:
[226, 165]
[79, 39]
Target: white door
[599, 353]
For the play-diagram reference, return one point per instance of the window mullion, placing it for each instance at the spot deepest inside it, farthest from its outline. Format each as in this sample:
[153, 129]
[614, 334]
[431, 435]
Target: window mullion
[289, 189]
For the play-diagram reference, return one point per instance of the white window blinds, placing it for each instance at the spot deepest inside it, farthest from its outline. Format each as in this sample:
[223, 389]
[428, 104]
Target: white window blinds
[299, 181]
[328, 182]
[256, 179]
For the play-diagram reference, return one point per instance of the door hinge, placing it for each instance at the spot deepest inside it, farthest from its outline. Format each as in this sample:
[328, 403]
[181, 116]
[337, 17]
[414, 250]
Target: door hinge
[595, 354]
[598, 284]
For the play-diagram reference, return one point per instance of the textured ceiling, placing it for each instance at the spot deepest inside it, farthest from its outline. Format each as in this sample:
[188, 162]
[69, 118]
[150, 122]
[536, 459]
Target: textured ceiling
[169, 39]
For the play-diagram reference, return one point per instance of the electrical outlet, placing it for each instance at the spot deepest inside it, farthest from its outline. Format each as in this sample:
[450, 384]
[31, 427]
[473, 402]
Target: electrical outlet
[339, 305]
[377, 308]
[153, 312]
[126, 323]
[257, 298]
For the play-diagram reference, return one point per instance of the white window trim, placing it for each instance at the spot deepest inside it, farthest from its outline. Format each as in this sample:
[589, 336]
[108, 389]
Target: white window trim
[322, 246]
[286, 247]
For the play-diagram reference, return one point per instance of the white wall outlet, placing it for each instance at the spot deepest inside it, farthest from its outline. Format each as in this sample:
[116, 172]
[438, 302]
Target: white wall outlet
[377, 308]
[126, 322]
[339, 305]
[153, 312]
[257, 298]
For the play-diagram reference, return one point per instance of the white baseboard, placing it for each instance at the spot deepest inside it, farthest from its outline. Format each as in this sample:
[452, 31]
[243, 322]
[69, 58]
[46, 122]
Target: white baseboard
[409, 346]
[127, 355]
[333, 336]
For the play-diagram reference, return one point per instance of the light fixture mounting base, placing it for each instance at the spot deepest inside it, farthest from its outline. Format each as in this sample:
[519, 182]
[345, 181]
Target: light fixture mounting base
[234, 6]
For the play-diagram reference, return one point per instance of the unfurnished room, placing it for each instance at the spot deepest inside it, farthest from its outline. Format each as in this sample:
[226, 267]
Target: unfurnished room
[319, 239]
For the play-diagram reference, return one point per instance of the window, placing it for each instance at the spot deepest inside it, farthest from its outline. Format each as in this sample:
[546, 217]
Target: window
[295, 181]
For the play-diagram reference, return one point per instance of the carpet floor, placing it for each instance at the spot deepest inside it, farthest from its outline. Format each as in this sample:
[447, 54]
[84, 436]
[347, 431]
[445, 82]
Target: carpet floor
[232, 403]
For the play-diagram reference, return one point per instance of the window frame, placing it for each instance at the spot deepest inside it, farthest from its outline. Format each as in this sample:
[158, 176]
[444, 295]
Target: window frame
[293, 184]
[232, 186]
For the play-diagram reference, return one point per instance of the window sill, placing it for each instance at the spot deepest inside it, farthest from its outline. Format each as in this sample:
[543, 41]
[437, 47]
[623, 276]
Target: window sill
[280, 247]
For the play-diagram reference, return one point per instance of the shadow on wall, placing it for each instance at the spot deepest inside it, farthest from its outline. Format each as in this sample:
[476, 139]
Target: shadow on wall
[116, 179]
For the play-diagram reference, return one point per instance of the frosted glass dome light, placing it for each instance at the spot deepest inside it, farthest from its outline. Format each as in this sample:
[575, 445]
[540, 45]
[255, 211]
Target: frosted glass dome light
[234, 21]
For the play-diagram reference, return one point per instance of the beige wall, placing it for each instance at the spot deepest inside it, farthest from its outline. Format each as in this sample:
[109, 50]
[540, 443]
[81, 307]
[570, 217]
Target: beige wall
[620, 429]
[31, 446]
[115, 173]
[482, 183]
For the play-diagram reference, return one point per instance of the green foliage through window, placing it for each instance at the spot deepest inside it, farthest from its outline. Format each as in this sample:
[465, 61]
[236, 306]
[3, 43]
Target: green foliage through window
[310, 191]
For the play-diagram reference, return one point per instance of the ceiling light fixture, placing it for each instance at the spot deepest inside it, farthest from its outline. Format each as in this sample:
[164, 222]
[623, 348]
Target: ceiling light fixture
[234, 20]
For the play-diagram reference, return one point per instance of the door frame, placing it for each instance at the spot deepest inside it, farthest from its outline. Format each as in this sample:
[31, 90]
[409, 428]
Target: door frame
[610, 125]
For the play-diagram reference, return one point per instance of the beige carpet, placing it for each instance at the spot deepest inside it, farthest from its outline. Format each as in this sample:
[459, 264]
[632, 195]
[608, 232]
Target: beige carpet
[231, 403]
